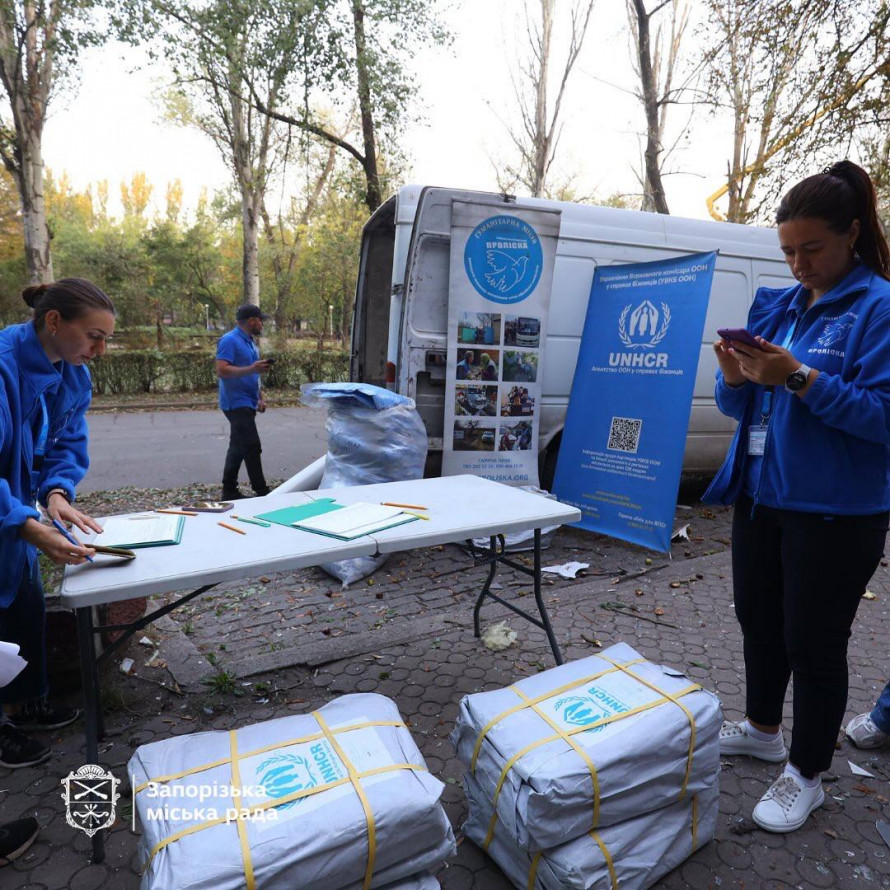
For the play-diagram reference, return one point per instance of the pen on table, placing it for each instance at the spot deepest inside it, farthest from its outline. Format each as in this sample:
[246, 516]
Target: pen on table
[177, 512]
[252, 521]
[232, 528]
[406, 506]
[69, 537]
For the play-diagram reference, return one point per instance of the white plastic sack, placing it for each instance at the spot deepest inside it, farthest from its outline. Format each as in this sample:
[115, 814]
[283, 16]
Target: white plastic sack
[317, 841]
[642, 850]
[641, 761]
[374, 435]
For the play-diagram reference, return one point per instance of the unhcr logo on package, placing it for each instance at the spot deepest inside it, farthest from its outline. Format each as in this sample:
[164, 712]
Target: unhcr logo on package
[284, 774]
[583, 710]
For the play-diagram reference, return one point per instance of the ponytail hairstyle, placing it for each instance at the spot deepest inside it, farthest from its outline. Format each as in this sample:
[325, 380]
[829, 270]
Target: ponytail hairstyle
[841, 193]
[70, 297]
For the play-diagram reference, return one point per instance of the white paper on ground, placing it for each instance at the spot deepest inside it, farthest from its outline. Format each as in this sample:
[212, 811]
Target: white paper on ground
[640, 760]
[643, 849]
[859, 771]
[317, 841]
[567, 569]
[11, 663]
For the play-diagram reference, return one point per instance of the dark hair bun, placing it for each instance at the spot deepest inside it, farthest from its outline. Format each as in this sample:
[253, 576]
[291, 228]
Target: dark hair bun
[33, 293]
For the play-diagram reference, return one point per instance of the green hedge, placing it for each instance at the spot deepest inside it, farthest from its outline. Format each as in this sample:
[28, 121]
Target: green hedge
[150, 370]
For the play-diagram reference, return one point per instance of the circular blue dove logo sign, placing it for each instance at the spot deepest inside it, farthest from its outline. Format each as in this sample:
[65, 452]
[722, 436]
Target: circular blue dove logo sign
[503, 259]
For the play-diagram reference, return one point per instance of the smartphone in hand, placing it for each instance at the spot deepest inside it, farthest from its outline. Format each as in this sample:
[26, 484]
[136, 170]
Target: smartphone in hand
[739, 335]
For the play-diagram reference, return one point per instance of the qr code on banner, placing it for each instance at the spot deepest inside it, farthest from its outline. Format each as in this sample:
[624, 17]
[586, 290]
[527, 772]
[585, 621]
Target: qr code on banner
[624, 434]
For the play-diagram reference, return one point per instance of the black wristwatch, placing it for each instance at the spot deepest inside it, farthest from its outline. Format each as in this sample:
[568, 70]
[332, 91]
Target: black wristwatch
[60, 491]
[797, 380]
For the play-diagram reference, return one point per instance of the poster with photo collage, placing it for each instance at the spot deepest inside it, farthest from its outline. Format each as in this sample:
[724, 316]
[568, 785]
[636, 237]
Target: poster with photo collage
[501, 272]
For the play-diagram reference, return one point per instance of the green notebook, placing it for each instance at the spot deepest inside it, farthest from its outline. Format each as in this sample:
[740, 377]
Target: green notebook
[289, 515]
[150, 530]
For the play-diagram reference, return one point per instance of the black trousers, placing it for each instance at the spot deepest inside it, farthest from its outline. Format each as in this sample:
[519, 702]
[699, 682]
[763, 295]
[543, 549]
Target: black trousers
[797, 582]
[23, 622]
[244, 446]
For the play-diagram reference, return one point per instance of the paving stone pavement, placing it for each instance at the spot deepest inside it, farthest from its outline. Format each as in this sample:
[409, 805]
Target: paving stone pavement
[677, 613]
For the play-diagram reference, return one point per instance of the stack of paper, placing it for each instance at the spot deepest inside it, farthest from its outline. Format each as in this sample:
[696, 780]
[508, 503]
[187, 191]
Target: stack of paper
[355, 520]
[145, 530]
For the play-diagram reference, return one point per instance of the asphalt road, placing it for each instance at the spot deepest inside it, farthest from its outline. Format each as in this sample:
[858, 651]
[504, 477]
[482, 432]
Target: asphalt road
[167, 449]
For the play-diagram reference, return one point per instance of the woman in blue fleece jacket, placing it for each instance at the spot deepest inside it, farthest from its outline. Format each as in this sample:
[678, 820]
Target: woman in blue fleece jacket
[809, 474]
[45, 390]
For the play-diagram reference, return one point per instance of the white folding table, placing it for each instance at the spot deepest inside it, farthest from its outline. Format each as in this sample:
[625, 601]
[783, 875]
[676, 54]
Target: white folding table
[460, 508]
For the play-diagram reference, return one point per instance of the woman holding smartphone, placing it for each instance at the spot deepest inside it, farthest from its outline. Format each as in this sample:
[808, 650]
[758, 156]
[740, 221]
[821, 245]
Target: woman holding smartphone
[809, 474]
[45, 390]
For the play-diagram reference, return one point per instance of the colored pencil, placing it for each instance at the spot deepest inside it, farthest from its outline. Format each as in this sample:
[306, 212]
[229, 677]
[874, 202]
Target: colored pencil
[252, 521]
[177, 512]
[232, 528]
[406, 506]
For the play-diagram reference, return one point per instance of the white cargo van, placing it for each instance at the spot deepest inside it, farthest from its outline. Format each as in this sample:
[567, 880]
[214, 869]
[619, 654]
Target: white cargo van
[401, 305]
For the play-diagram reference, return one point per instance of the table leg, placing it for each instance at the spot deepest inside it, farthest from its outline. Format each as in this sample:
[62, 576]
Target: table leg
[492, 570]
[92, 706]
[539, 599]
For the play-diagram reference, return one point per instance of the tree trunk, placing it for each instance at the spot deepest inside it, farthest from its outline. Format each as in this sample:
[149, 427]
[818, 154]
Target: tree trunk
[541, 140]
[373, 195]
[654, 189]
[37, 239]
[250, 266]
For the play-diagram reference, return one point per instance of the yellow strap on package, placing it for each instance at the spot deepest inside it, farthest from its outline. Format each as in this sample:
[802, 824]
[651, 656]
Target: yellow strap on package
[566, 734]
[353, 776]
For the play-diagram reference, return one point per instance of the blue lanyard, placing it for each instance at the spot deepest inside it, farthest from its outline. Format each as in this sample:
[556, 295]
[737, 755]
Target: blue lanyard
[39, 449]
[40, 445]
[767, 405]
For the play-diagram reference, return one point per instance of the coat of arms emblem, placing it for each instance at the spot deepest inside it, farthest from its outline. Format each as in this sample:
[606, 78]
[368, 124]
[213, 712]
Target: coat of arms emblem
[91, 796]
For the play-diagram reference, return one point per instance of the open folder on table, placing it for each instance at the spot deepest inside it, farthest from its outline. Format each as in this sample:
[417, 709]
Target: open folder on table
[354, 521]
[150, 530]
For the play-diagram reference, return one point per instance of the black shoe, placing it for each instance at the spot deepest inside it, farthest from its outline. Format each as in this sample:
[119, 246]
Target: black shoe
[262, 492]
[41, 714]
[16, 837]
[18, 750]
[233, 495]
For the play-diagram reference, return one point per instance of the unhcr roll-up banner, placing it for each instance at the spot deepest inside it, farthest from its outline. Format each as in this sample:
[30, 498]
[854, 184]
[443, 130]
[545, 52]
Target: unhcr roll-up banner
[500, 276]
[622, 448]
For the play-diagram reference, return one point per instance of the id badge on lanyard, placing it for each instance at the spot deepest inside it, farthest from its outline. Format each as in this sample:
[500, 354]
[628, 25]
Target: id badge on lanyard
[39, 449]
[757, 432]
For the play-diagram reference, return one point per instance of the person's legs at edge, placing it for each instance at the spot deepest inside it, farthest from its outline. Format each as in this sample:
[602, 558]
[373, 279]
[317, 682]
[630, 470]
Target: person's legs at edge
[757, 594]
[827, 562]
[234, 458]
[251, 448]
[872, 729]
[22, 623]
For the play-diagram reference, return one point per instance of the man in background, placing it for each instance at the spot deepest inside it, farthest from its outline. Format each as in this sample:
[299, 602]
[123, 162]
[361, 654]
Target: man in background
[238, 367]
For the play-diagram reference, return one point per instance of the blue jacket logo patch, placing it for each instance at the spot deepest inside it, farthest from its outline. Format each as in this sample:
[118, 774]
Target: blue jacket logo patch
[834, 332]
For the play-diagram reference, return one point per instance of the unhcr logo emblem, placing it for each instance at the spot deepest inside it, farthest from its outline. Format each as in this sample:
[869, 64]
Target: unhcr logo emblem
[286, 774]
[643, 327]
[578, 710]
[91, 798]
[584, 710]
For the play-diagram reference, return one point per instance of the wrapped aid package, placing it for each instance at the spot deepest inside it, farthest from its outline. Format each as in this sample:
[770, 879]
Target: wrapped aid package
[588, 744]
[633, 854]
[339, 798]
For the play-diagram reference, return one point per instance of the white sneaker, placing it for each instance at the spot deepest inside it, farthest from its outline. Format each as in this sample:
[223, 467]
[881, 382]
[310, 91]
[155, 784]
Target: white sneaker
[863, 732]
[787, 805]
[734, 739]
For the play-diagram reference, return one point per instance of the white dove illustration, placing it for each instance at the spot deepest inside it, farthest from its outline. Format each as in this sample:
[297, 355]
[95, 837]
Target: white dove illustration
[507, 271]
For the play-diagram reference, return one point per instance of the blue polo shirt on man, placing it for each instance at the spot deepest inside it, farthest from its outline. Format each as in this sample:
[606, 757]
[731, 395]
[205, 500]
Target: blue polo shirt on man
[238, 348]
